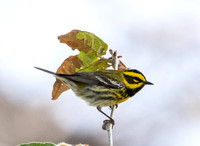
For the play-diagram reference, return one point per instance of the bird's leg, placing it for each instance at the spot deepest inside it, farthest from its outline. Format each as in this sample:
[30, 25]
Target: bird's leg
[116, 106]
[111, 120]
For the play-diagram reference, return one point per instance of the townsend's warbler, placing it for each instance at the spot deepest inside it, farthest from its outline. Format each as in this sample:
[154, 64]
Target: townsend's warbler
[104, 87]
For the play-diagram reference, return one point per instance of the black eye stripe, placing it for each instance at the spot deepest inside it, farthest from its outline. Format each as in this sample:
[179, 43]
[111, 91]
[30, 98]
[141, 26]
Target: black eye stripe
[131, 79]
[136, 78]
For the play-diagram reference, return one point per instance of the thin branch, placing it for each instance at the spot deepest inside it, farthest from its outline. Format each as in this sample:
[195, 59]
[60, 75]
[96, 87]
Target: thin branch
[115, 60]
[109, 125]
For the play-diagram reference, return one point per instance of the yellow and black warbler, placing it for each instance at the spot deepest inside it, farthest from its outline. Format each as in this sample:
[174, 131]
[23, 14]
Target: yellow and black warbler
[104, 87]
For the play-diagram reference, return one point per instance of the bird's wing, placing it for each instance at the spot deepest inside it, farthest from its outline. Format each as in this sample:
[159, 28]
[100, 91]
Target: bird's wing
[94, 78]
[106, 78]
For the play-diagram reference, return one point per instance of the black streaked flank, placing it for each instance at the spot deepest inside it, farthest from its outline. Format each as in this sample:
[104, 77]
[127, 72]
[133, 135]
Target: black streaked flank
[111, 98]
[101, 92]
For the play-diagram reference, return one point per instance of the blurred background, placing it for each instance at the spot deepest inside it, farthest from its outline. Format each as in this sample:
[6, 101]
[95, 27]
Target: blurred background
[158, 37]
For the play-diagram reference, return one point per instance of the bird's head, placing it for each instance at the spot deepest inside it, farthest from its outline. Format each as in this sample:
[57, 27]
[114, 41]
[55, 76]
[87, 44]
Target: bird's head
[134, 79]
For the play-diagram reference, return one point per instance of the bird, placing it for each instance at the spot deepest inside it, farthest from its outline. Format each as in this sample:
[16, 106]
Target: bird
[103, 88]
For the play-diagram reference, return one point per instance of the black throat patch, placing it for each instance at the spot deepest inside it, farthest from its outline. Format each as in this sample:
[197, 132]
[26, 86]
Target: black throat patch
[132, 92]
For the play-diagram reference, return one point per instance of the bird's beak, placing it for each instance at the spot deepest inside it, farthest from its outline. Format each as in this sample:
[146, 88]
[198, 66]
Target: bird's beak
[148, 83]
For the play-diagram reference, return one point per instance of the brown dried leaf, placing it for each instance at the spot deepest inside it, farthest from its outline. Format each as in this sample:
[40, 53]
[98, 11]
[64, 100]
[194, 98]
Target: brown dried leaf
[121, 66]
[71, 40]
[67, 67]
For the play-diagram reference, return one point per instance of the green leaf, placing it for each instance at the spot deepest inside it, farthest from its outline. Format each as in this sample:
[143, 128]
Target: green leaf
[97, 45]
[38, 144]
[90, 60]
[87, 58]
[91, 49]
[101, 64]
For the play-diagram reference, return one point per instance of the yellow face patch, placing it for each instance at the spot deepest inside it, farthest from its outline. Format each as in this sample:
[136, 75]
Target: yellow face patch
[133, 86]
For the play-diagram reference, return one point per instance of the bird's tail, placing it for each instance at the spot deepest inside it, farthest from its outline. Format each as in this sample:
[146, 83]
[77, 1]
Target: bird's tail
[46, 70]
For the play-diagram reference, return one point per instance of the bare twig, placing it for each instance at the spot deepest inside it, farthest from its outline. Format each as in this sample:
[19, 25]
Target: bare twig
[121, 65]
[115, 60]
[109, 125]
